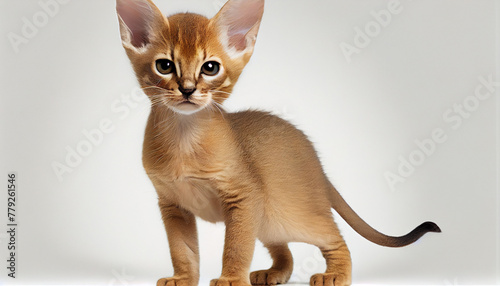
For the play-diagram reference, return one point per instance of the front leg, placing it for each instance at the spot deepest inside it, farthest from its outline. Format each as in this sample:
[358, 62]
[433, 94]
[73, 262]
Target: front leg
[239, 241]
[183, 241]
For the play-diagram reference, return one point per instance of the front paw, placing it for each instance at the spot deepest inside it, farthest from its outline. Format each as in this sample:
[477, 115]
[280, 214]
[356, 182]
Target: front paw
[175, 281]
[228, 282]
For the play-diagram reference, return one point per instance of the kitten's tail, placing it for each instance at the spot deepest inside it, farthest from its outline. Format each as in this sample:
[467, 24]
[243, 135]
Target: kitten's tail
[368, 232]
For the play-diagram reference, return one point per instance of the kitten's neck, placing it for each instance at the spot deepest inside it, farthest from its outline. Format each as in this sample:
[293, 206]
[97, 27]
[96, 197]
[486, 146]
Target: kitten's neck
[178, 132]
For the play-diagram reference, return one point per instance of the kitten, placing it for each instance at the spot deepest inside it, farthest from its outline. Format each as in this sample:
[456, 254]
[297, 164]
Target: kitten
[254, 171]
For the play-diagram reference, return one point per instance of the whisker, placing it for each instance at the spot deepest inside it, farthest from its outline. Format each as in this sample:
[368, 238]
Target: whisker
[161, 122]
[162, 94]
[220, 91]
[220, 108]
[152, 86]
[215, 106]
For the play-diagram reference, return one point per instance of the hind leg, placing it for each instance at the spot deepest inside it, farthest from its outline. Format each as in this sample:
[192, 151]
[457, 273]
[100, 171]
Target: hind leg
[337, 256]
[338, 267]
[281, 270]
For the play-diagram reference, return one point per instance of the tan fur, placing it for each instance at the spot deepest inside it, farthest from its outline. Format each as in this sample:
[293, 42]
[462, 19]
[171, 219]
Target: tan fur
[252, 170]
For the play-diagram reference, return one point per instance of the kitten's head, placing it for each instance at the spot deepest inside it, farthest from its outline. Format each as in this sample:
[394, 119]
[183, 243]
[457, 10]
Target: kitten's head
[186, 61]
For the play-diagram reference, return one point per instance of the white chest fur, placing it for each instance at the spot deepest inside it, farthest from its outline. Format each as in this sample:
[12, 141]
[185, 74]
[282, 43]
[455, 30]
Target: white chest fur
[199, 197]
[181, 169]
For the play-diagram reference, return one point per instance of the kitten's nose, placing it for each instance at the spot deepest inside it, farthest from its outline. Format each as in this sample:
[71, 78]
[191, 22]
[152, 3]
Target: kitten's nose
[186, 93]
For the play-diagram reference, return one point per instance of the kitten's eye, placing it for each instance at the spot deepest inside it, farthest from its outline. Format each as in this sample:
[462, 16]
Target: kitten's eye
[210, 68]
[165, 66]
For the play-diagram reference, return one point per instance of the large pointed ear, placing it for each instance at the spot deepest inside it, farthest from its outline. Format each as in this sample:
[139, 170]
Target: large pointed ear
[140, 22]
[238, 24]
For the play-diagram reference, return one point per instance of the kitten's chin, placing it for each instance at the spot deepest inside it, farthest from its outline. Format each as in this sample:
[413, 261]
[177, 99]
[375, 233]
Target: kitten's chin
[187, 108]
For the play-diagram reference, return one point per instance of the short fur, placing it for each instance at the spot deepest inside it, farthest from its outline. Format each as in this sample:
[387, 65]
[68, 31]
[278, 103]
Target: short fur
[252, 170]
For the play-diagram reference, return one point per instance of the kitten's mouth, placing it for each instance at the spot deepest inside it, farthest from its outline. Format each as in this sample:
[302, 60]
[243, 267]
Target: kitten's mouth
[186, 107]
[187, 101]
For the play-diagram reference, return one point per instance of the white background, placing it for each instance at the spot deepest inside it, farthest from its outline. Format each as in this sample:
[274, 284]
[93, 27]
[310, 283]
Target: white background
[100, 224]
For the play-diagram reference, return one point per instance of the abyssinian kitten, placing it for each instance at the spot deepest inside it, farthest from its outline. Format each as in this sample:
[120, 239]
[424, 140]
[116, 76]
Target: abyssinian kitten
[252, 170]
